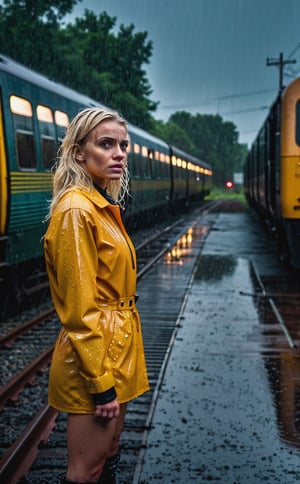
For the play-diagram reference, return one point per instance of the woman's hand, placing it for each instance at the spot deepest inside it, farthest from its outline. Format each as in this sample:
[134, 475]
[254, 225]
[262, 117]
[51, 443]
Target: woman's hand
[108, 410]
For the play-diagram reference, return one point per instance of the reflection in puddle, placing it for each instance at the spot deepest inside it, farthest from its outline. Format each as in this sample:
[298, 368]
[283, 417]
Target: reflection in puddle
[284, 375]
[182, 247]
[265, 340]
[214, 268]
[283, 368]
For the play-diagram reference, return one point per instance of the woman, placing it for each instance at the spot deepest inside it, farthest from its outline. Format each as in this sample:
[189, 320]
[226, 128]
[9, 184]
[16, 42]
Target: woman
[98, 364]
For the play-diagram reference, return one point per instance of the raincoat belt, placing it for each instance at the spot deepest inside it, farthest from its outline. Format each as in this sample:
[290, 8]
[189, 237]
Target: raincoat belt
[119, 304]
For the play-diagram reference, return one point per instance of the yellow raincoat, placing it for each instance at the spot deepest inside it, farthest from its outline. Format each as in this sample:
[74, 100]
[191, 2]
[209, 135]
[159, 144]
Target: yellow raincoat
[91, 266]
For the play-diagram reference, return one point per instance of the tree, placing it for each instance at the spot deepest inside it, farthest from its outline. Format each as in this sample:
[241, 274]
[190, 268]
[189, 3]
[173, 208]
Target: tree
[28, 30]
[85, 55]
[209, 138]
[113, 71]
[173, 134]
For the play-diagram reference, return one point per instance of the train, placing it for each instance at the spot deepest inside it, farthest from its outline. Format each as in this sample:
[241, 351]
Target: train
[34, 113]
[272, 172]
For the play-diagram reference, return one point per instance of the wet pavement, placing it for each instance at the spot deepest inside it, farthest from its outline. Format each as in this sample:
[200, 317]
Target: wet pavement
[228, 408]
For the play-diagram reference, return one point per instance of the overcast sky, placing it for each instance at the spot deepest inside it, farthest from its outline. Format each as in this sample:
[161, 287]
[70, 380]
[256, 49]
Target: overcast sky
[209, 56]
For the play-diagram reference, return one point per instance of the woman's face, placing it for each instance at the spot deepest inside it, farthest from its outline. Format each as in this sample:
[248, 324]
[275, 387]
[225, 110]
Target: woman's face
[104, 153]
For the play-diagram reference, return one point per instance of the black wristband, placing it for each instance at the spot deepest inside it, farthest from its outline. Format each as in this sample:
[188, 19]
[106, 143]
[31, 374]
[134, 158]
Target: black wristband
[104, 397]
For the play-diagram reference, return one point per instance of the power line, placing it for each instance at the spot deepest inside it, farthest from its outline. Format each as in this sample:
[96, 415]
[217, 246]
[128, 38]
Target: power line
[294, 50]
[240, 111]
[216, 99]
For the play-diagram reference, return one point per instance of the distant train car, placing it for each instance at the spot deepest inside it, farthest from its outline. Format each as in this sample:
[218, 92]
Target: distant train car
[34, 113]
[272, 170]
[149, 165]
[190, 177]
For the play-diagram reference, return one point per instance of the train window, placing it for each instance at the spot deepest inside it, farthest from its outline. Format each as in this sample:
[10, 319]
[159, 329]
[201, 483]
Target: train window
[61, 119]
[62, 122]
[47, 135]
[149, 173]
[136, 171]
[298, 123]
[23, 123]
[21, 106]
[44, 114]
[26, 149]
[136, 148]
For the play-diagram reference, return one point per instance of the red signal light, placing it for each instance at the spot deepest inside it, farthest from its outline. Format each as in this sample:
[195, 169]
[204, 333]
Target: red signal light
[229, 184]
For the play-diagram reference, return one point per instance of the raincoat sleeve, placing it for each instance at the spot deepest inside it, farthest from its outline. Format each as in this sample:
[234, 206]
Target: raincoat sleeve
[73, 274]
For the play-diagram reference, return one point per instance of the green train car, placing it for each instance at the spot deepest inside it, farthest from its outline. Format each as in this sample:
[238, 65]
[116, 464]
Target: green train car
[34, 113]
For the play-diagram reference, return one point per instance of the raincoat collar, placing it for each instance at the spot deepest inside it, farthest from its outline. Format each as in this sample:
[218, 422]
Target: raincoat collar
[96, 197]
[106, 195]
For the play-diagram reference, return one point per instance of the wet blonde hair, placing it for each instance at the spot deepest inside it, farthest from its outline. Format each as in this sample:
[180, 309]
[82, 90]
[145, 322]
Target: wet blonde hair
[69, 173]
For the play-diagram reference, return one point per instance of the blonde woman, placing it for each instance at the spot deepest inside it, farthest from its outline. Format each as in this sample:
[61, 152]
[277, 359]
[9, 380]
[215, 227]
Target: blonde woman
[98, 364]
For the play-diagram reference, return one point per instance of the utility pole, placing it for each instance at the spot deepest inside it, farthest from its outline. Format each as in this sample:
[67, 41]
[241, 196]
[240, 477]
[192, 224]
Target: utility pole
[281, 63]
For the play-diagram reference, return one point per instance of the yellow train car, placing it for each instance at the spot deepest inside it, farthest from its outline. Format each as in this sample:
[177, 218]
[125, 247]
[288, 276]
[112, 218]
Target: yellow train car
[272, 171]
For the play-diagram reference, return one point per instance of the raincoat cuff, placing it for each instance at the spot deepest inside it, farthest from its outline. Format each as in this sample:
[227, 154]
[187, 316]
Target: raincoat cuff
[104, 397]
[100, 384]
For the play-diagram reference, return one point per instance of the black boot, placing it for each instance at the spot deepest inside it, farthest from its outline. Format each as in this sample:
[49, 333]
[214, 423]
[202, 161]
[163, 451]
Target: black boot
[108, 475]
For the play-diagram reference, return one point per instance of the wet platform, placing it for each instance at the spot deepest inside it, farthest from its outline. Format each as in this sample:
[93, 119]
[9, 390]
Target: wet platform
[227, 408]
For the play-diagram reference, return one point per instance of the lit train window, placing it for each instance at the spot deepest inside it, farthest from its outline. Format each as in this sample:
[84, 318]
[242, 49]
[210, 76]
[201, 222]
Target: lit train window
[136, 148]
[44, 114]
[20, 106]
[47, 135]
[62, 122]
[144, 151]
[61, 119]
[24, 132]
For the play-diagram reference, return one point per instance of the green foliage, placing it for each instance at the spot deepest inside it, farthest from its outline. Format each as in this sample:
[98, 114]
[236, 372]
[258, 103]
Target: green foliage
[207, 137]
[85, 55]
[220, 194]
[26, 26]
[173, 134]
[89, 57]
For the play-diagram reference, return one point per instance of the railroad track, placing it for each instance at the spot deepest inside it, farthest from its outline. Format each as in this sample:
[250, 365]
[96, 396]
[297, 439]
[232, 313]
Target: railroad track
[21, 455]
[278, 301]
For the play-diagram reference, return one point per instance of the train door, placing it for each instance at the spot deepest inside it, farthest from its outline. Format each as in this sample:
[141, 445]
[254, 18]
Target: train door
[3, 180]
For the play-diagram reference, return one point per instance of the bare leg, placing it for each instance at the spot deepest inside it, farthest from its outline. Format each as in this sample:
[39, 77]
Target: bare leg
[89, 442]
[115, 444]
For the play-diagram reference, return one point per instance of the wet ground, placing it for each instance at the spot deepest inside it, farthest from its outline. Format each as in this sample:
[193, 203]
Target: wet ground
[228, 408]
